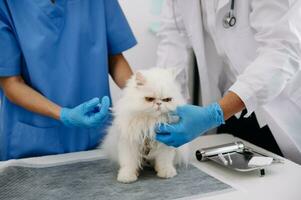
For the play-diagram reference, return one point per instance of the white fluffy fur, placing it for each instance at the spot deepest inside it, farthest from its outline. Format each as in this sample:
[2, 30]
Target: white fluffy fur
[130, 140]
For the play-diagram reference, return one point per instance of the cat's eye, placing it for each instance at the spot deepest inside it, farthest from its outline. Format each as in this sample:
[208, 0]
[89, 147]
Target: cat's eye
[167, 99]
[149, 99]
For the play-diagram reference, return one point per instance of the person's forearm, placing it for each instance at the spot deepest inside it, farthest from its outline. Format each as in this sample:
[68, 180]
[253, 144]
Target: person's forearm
[18, 92]
[231, 104]
[120, 70]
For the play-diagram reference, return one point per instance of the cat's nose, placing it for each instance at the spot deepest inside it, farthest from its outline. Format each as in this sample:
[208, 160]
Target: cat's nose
[159, 103]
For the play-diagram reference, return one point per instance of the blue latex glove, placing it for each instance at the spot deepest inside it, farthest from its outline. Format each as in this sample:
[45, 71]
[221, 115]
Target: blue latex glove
[91, 114]
[194, 121]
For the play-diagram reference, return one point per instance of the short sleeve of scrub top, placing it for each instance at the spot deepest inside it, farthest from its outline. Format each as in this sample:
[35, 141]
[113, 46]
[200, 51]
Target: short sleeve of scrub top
[116, 27]
[9, 49]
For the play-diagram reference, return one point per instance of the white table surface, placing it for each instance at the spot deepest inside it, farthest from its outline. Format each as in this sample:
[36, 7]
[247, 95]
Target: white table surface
[281, 182]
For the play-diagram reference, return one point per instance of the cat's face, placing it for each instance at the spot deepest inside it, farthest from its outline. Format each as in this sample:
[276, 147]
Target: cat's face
[156, 102]
[155, 92]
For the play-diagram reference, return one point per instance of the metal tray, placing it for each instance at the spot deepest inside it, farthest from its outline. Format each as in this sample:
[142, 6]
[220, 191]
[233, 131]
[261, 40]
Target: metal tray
[235, 156]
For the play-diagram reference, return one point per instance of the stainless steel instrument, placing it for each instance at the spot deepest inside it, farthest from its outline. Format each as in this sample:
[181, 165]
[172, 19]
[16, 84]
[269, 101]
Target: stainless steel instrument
[235, 156]
[203, 154]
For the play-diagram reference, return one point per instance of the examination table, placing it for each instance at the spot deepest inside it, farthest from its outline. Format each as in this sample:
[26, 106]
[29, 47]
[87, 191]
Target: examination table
[88, 175]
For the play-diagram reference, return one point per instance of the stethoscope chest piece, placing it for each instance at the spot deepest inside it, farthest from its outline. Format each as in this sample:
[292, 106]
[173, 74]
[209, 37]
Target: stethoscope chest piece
[230, 19]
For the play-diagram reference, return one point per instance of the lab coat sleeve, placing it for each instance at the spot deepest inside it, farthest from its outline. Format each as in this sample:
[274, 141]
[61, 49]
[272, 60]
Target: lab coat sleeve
[119, 34]
[10, 54]
[174, 49]
[278, 33]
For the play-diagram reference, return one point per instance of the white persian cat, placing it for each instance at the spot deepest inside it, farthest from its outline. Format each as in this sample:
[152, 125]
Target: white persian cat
[147, 100]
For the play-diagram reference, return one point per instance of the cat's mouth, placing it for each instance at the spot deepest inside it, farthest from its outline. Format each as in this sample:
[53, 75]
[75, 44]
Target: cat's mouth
[160, 110]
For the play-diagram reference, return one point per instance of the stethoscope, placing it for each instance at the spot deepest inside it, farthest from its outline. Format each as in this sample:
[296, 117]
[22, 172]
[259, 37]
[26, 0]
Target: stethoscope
[230, 19]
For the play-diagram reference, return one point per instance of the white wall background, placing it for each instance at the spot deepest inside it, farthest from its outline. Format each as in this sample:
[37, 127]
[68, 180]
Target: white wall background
[140, 16]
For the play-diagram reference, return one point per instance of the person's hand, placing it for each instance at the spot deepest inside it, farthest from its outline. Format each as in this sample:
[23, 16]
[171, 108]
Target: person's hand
[91, 114]
[194, 121]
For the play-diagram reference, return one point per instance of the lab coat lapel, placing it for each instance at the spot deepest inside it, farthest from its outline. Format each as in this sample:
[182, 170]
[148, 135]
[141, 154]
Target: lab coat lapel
[193, 20]
[221, 4]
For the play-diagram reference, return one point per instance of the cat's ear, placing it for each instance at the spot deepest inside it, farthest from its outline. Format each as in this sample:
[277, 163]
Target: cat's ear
[176, 71]
[140, 79]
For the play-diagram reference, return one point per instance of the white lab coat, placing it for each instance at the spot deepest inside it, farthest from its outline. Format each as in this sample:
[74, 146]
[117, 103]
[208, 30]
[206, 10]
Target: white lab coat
[259, 59]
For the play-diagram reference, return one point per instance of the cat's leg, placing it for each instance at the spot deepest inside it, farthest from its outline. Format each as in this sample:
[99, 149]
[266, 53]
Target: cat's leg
[129, 160]
[164, 162]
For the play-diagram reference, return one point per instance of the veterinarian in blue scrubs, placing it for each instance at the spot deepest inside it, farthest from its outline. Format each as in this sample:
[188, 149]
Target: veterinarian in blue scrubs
[55, 59]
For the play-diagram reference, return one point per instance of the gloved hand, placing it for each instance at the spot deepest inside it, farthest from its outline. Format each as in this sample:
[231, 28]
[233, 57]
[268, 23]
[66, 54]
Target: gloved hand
[194, 121]
[91, 114]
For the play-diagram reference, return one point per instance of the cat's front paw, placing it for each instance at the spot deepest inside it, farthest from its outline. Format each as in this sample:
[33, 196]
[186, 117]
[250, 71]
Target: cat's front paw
[127, 176]
[166, 172]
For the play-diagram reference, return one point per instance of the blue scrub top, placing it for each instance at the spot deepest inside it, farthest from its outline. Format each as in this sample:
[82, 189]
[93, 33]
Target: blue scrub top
[61, 50]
